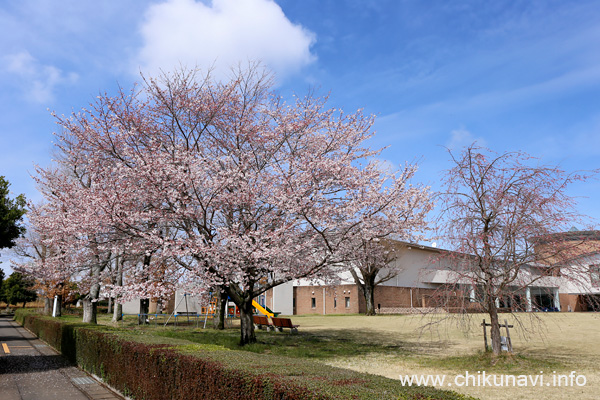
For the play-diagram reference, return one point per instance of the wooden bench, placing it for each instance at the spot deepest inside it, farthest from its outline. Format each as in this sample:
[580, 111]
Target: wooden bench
[261, 321]
[280, 323]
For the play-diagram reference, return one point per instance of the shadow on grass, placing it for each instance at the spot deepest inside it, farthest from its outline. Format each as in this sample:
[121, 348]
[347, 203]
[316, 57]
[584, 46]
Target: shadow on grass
[342, 343]
[316, 345]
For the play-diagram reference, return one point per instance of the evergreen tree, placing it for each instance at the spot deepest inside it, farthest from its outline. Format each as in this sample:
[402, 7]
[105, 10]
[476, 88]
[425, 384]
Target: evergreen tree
[18, 289]
[1, 281]
[11, 216]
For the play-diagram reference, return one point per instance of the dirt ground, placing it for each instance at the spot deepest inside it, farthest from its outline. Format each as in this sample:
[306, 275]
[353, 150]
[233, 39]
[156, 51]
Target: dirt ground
[431, 345]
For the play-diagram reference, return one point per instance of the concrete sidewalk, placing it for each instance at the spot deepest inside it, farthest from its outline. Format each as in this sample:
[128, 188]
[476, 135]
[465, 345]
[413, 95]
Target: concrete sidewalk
[32, 370]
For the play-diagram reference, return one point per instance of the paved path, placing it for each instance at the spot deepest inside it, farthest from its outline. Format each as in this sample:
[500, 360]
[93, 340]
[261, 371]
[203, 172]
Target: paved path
[31, 370]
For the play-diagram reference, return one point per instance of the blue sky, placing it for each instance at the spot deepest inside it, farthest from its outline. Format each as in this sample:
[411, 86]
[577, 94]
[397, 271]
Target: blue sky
[514, 75]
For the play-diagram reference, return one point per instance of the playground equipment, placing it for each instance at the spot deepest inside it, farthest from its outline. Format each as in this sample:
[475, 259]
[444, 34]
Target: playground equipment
[212, 308]
[262, 310]
[185, 295]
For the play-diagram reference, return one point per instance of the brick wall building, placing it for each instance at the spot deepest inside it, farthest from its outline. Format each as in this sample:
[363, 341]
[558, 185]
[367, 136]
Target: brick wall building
[348, 299]
[341, 299]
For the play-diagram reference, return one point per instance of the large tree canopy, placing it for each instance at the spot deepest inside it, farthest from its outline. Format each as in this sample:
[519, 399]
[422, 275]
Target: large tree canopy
[220, 184]
[11, 215]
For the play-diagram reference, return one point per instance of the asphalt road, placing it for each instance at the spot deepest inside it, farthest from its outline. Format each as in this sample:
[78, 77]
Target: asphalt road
[31, 370]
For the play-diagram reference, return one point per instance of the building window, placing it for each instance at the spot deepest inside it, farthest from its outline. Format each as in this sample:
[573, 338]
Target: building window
[595, 275]
[335, 302]
[313, 302]
[347, 302]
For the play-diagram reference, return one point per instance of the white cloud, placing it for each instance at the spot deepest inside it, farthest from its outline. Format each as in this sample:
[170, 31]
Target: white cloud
[461, 137]
[38, 81]
[222, 34]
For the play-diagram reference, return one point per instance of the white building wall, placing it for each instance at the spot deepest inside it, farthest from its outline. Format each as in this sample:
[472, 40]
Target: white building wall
[189, 303]
[283, 298]
[414, 263]
[580, 282]
[131, 307]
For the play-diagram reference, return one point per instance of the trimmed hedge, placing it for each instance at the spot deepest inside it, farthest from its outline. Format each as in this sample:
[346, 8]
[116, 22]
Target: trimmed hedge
[158, 372]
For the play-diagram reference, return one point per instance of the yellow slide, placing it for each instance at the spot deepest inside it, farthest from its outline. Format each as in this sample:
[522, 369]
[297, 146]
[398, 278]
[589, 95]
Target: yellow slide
[262, 310]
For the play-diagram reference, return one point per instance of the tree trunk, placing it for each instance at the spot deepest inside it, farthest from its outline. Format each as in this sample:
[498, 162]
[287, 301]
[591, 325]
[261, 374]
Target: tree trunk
[90, 305]
[243, 299]
[369, 292]
[118, 307]
[118, 312]
[219, 315]
[247, 324]
[108, 310]
[47, 306]
[495, 328]
[144, 308]
[89, 311]
[366, 283]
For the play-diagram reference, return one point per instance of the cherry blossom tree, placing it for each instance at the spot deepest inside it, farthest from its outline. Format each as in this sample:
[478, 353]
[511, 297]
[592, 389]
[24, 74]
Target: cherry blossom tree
[371, 267]
[221, 184]
[502, 215]
[77, 222]
[31, 248]
[43, 256]
[73, 228]
[372, 259]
